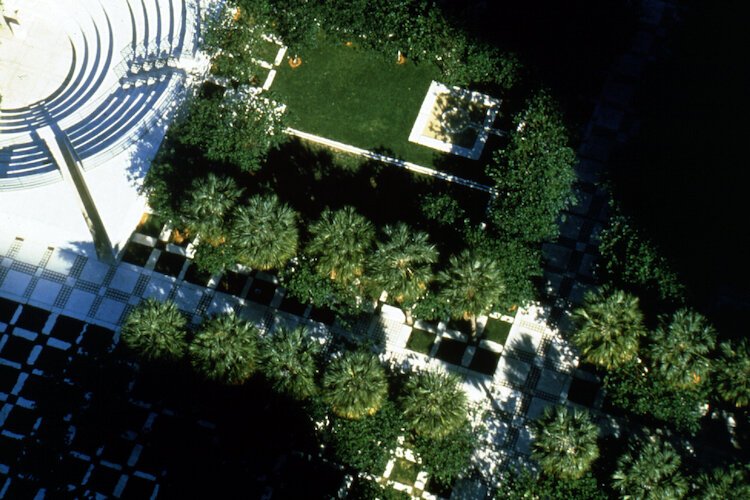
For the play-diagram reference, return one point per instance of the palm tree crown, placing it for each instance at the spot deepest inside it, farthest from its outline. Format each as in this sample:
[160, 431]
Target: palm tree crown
[289, 362]
[355, 385]
[401, 265]
[225, 349]
[679, 350]
[471, 285]
[609, 328]
[733, 376]
[565, 442]
[720, 484]
[210, 202]
[434, 404]
[265, 233]
[340, 242]
[156, 330]
[651, 472]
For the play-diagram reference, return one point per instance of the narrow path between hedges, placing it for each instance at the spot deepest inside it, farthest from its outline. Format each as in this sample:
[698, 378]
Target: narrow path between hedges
[412, 167]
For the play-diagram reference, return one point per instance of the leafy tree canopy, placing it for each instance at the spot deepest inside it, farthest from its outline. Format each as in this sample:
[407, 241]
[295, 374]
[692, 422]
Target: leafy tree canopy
[533, 174]
[355, 385]
[434, 404]
[565, 443]
[236, 127]
[446, 458]
[609, 326]
[733, 374]
[365, 444]
[650, 470]
[523, 484]
[156, 331]
[225, 349]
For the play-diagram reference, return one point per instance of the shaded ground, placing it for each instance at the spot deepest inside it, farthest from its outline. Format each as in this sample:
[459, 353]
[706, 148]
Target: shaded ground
[680, 177]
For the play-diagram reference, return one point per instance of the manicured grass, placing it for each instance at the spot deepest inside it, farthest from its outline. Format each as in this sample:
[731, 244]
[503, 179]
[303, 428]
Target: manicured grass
[356, 97]
[420, 341]
[404, 471]
[497, 330]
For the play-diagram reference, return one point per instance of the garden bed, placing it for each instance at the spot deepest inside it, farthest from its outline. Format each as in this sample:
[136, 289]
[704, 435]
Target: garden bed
[497, 330]
[420, 341]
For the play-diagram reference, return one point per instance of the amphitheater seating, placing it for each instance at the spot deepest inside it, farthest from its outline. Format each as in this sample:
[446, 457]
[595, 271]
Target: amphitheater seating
[123, 78]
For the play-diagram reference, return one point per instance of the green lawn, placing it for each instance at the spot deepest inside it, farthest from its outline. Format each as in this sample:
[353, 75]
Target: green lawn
[354, 96]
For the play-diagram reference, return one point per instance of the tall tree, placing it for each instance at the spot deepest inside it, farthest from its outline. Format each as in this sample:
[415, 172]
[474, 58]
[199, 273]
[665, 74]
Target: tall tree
[533, 174]
[225, 349]
[679, 350]
[289, 362]
[471, 286]
[609, 326]
[402, 265]
[208, 206]
[650, 471]
[355, 385]
[720, 484]
[238, 127]
[434, 404]
[155, 330]
[565, 442]
[265, 233]
[340, 242]
[733, 374]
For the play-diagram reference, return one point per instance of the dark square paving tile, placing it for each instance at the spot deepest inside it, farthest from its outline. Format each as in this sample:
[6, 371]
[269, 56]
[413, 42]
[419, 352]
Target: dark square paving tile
[10, 451]
[52, 361]
[261, 291]
[67, 329]
[17, 349]
[196, 276]
[451, 351]
[73, 469]
[103, 480]
[7, 310]
[32, 318]
[583, 392]
[232, 283]
[323, 315]
[23, 488]
[20, 420]
[138, 488]
[97, 339]
[8, 378]
[170, 264]
[292, 305]
[484, 361]
[117, 451]
[136, 254]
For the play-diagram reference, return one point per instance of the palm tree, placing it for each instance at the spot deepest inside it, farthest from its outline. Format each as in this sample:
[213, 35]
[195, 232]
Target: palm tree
[609, 327]
[355, 385]
[434, 404]
[471, 286]
[156, 330]
[721, 484]
[289, 362]
[565, 443]
[210, 202]
[265, 233]
[340, 241]
[402, 265]
[679, 350]
[651, 471]
[225, 349]
[733, 375]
